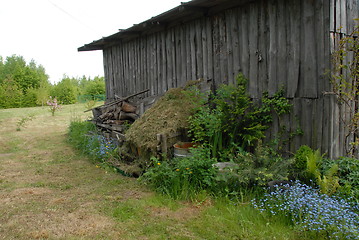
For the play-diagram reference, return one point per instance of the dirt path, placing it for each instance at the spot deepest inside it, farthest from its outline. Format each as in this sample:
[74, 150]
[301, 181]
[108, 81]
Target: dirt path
[48, 191]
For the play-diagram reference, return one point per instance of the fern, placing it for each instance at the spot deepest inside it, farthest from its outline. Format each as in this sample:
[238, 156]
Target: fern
[329, 182]
[313, 164]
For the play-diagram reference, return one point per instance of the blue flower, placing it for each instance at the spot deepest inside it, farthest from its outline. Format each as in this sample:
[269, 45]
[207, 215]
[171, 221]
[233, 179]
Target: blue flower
[311, 211]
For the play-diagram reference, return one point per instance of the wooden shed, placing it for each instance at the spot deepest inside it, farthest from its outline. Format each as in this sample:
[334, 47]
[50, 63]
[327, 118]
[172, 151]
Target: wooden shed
[274, 43]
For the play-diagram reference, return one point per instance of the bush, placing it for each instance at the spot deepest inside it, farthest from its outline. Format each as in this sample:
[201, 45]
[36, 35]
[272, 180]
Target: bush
[30, 98]
[308, 167]
[348, 173]
[258, 168]
[65, 91]
[308, 210]
[10, 94]
[232, 117]
[95, 87]
[300, 162]
[182, 178]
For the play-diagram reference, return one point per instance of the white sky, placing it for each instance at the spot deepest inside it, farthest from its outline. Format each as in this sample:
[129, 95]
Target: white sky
[50, 31]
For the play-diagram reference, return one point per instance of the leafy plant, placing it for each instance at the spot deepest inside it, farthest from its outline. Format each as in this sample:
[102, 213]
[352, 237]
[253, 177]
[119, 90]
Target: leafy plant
[84, 136]
[22, 122]
[66, 90]
[258, 168]
[348, 173]
[308, 167]
[182, 178]
[232, 117]
[300, 163]
[19, 80]
[308, 210]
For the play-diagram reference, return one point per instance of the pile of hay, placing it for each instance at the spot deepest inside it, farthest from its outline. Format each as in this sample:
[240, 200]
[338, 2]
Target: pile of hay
[168, 115]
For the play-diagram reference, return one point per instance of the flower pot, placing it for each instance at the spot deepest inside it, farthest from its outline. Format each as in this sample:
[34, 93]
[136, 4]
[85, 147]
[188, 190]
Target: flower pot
[182, 149]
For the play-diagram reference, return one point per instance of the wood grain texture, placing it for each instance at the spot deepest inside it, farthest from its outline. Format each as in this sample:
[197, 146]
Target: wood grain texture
[277, 43]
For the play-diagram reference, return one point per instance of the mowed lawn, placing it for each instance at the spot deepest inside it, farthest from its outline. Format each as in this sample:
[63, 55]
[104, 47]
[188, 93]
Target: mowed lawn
[48, 190]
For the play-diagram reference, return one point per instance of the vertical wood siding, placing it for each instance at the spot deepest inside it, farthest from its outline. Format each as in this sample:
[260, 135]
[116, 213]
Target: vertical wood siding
[275, 44]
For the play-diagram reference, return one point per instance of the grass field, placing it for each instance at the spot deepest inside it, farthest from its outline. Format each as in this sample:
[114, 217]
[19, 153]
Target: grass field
[50, 191]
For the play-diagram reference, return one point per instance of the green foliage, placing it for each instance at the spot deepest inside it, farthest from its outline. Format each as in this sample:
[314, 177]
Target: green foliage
[314, 161]
[348, 173]
[10, 94]
[329, 182]
[65, 91]
[232, 117]
[205, 126]
[95, 87]
[84, 136]
[78, 133]
[255, 169]
[325, 177]
[182, 178]
[22, 122]
[69, 90]
[42, 93]
[300, 158]
[18, 82]
[30, 98]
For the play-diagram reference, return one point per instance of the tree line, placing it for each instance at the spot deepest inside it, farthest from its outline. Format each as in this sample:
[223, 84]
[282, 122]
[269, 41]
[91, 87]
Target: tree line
[25, 84]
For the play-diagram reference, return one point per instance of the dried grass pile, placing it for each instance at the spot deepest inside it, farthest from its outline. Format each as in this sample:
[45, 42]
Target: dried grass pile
[168, 115]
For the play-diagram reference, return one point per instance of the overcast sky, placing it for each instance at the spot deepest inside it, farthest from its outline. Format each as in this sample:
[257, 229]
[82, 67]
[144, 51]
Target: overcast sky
[50, 31]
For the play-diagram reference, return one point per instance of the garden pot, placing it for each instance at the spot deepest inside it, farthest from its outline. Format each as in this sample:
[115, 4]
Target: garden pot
[182, 149]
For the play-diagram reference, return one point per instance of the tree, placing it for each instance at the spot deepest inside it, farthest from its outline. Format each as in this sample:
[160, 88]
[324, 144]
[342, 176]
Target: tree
[95, 87]
[66, 91]
[10, 94]
[17, 76]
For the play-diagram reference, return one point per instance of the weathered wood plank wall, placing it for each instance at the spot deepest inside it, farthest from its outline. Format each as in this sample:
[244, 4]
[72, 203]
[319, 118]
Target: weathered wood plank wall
[277, 43]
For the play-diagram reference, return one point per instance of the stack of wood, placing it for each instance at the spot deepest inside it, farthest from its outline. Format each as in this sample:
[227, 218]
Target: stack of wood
[117, 113]
[114, 117]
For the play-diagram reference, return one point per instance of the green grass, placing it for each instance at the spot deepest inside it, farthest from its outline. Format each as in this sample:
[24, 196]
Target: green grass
[240, 221]
[48, 190]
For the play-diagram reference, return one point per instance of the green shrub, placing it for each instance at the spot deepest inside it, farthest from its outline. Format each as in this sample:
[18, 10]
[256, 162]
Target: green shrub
[65, 91]
[95, 87]
[10, 94]
[258, 168]
[232, 117]
[300, 157]
[348, 173]
[182, 178]
[314, 171]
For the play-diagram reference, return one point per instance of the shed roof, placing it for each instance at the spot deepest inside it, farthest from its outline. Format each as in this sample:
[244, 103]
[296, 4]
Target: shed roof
[185, 12]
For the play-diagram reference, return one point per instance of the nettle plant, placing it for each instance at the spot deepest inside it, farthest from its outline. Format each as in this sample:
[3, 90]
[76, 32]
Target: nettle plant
[344, 78]
[232, 118]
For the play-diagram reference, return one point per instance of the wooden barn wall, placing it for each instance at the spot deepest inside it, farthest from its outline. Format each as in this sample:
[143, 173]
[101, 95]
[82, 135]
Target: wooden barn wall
[342, 24]
[277, 43]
